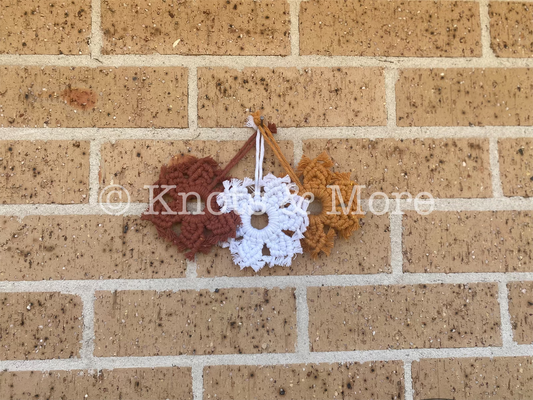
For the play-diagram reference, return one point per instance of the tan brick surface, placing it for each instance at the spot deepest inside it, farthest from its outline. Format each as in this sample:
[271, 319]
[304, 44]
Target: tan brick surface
[384, 28]
[506, 378]
[55, 171]
[443, 167]
[521, 310]
[511, 28]
[469, 241]
[403, 317]
[292, 97]
[38, 326]
[85, 247]
[45, 27]
[464, 97]
[93, 97]
[131, 384]
[135, 163]
[217, 27]
[372, 380]
[516, 166]
[84, 111]
[366, 252]
[147, 323]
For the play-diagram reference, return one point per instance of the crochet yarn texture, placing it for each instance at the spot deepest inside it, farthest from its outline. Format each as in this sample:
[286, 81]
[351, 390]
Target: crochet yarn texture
[337, 218]
[287, 220]
[199, 231]
[286, 211]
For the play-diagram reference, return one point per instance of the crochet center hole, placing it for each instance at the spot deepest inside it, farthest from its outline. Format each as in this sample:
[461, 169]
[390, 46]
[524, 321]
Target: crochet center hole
[259, 221]
[315, 207]
[194, 206]
[177, 229]
[168, 198]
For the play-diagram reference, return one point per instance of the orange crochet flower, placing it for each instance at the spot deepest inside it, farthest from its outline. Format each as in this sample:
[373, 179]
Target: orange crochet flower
[317, 176]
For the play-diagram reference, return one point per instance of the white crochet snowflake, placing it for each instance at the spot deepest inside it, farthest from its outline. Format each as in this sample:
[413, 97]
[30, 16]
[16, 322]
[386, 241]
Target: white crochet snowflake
[287, 220]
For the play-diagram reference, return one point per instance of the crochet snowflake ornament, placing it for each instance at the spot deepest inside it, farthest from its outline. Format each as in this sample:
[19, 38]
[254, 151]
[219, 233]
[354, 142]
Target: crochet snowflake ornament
[277, 198]
[319, 180]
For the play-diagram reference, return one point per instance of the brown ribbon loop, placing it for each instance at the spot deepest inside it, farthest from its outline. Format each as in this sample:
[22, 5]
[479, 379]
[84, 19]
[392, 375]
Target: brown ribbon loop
[234, 161]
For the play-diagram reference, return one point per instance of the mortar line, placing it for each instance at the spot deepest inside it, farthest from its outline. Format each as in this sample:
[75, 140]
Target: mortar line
[23, 210]
[197, 381]
[265, 359]
[192, 269]
[506, 326]
[391, 77]
[408, 380]
[497, 190]
[136, 209]
[241, 62]
[94, 171]
[295, 133]
[295, 27]
[396, 243]
[484, 17]
[485, 204]
[96, 30]
[192, 97]
[302, 320]
[87, 349]
[268, 282]
[298, 145]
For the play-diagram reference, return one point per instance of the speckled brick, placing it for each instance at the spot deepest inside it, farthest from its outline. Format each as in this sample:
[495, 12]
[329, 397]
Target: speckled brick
[216, 27]
[45, 27]
[384, 28]
[468, 241]
[75, 97]
[135, 163]
[226, 321]
[85, 247]
[291, 96]
[39, 326]
[511, 28]
[403, 317]
[505, 378]
[521, 310]
[516, 166]
[443, 167]
[55, 171]
[132, 384]
[464, 97]
[367, 251]
[350, 381]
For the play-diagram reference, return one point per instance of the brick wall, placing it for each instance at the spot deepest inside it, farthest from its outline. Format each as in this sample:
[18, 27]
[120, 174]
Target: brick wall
[408, 96]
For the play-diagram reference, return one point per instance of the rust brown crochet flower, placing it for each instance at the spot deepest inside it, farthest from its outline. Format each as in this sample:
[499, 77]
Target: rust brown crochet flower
[324, 227]
[192, 232]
